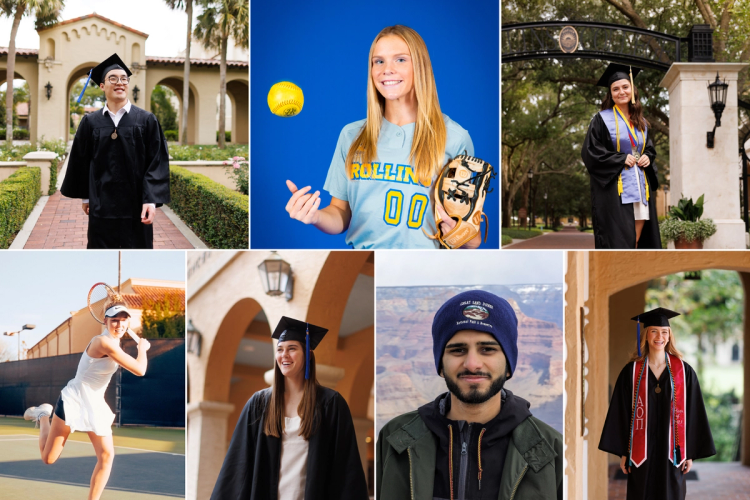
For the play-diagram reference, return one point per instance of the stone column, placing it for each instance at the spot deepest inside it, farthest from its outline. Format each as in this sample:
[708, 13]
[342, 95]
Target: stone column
[361, 427]
[43, 160]
[206, 446]
[694, 168]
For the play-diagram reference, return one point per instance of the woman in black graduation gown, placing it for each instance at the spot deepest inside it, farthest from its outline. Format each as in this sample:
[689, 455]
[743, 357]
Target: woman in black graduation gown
[656, 466]
[317, 458]
[623, 174]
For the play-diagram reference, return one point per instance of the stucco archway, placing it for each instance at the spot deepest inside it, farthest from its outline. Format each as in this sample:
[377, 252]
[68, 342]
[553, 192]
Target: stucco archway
[239, 91]
[176, 85]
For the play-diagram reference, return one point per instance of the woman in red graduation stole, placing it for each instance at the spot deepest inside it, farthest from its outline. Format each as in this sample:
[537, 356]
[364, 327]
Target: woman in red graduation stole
[295, 440]
[656, 422]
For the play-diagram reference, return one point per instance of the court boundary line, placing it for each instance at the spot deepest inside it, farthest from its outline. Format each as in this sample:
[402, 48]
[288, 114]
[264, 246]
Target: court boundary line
[86, 486]
[33, 438]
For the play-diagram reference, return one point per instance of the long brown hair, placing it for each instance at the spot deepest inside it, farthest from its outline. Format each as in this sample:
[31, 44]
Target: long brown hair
[274, 423]
[635, 110]
[671, 348]
[428, 145]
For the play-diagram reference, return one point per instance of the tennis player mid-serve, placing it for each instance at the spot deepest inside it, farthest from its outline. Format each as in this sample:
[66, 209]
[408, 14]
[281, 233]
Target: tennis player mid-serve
[81, 406]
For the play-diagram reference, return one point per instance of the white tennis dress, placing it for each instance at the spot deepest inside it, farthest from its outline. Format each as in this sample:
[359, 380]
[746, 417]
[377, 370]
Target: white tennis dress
[83, 397]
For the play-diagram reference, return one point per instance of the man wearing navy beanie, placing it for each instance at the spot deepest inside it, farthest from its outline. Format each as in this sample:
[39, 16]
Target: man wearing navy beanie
[478, 440]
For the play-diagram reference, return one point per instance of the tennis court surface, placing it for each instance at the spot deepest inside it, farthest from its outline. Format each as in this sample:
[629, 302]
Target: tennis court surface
[149, 464]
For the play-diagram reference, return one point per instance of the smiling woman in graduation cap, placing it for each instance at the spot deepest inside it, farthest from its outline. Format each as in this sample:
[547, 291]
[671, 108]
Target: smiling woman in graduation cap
[295, 440]
[619, 155]
[118, 165]
[656, 422]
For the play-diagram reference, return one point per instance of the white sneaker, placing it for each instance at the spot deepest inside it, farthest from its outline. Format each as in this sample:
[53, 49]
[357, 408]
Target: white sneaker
[36, 412]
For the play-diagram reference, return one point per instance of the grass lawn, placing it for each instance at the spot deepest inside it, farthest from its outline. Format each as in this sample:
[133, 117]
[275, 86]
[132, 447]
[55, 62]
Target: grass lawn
[721, 379]
[147, 438]
[521, 234]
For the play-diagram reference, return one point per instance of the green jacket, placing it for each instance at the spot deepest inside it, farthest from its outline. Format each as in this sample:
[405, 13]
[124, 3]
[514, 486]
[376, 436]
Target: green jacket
[406, 451]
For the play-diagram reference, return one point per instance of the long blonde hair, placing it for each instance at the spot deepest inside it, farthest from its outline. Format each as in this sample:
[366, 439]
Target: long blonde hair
[671, 347]
[428, 145]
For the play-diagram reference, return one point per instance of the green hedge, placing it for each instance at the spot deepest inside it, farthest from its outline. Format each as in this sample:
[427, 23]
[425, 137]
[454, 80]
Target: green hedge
[19, 134]
[227, 136]
[218, 215]
[18, 195]
[171, 135]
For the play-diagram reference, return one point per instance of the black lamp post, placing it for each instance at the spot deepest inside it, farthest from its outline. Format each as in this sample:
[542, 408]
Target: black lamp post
[48, 87]
[545, 211]
[717, 92]
[194, 339]
[276, 276]
[135, 93]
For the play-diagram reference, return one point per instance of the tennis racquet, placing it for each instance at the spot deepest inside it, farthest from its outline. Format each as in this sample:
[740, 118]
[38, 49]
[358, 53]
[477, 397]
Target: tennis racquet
[97, 301]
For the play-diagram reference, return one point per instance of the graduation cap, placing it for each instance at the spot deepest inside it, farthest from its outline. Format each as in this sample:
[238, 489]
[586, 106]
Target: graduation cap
[99, 73]
[655, 317]
[615, 72]
[294, 329]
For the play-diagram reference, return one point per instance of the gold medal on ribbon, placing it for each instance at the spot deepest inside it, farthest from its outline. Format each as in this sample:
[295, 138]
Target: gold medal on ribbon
[658, 389]
[114, 134]
[637, 156]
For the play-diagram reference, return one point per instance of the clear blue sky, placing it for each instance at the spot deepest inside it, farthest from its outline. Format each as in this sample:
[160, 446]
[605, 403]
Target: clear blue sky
[43, 287]
[468, 267]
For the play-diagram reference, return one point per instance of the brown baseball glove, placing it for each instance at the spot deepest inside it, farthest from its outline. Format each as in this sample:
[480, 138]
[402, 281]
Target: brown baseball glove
[461, 189]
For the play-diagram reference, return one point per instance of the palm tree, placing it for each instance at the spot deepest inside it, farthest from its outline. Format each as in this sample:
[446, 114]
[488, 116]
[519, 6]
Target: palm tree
[47, 13]
[188, 6]
[220, 20]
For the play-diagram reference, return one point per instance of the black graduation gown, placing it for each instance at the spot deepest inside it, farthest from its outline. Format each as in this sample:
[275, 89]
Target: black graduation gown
[334, 470]
[657, 477]
[118, 176]
[613, 221]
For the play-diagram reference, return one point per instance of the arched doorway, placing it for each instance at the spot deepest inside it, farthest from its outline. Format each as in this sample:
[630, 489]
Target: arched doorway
[176, 85]
[23, 107]
[238, 92]
[79, 73]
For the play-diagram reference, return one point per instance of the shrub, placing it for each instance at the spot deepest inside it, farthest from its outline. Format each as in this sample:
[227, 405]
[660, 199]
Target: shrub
[218, 215]
[227, 135]
[673, 229]
[171, 135]
[207, 152]
[18, 195]
[20, 134]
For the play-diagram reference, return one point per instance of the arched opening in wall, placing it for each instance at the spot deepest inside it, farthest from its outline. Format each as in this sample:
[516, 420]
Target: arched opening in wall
[92, 100]
[165, 105]
[238, 92]
[175, 85]
[21, 106]
[711, 333]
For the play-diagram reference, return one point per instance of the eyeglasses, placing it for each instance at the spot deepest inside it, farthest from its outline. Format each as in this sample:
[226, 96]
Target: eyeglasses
[124, 79]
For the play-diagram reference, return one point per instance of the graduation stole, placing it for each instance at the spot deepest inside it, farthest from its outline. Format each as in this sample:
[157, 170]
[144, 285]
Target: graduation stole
[637, 447]
[632, 186]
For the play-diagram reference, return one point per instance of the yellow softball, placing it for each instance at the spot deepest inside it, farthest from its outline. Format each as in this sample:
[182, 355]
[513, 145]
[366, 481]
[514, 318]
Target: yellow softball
[285, 99]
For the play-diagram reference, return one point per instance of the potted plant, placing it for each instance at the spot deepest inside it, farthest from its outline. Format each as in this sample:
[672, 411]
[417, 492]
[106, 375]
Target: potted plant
[684, 227]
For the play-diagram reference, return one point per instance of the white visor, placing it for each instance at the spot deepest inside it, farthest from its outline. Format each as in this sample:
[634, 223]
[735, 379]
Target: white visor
[115, 310]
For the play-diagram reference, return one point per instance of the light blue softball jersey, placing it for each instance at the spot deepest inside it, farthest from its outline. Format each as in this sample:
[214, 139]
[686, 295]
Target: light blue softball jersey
[389, 206]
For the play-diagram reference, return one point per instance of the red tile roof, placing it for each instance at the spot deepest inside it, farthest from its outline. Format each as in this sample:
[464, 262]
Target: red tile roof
[194, 62]
[95, 15]
[20, 52]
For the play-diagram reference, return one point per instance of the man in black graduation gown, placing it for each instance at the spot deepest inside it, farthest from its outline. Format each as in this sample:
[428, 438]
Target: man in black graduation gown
[118, 165]
[657, 477]
[614, 221]
[252, 464]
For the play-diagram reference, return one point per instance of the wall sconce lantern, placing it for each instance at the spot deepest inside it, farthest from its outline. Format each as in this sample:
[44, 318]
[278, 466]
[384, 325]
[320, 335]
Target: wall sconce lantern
[717, 92]
[48, 87]
[194, 339]
[276, 276]
[135, 93]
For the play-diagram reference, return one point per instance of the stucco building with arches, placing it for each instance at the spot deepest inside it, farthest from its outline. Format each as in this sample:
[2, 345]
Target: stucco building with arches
[69, 49]
[234, 317]
[603, 288]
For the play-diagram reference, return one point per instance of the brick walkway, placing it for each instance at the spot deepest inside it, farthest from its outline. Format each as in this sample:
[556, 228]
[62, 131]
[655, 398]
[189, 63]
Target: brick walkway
[63, 224]
[568, 238]
[716, 480]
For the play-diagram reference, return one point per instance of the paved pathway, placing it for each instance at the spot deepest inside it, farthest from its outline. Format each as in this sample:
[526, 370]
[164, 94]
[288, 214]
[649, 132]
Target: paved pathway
[568, 238]
[716, 480]
[62, 224]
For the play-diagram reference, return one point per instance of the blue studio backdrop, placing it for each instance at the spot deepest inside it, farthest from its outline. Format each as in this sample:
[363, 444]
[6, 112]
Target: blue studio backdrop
[323, 47]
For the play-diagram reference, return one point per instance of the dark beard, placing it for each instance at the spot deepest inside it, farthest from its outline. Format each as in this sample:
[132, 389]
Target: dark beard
[474, 397]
